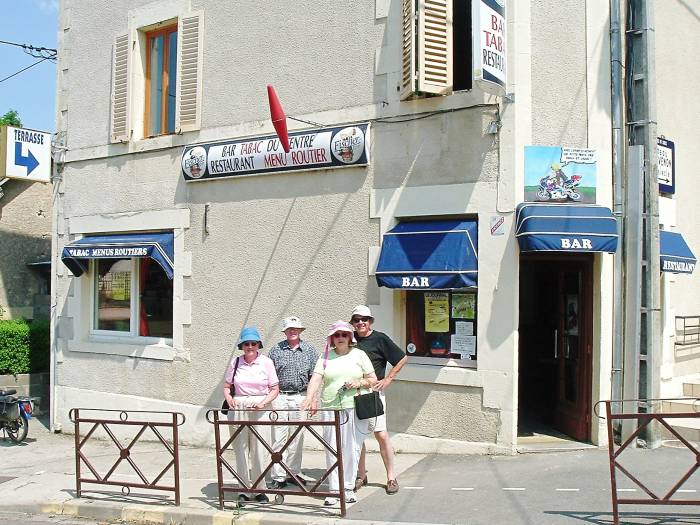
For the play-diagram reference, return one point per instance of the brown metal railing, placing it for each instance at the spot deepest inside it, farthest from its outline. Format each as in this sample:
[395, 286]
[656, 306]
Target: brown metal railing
[215, 417]
[166, 420]
[643, 421]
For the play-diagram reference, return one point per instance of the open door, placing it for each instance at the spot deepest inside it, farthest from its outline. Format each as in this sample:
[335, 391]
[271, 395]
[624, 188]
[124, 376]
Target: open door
[555, 343]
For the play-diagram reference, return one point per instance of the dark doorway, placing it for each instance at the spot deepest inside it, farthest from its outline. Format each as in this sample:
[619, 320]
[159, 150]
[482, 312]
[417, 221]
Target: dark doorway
[555, 331]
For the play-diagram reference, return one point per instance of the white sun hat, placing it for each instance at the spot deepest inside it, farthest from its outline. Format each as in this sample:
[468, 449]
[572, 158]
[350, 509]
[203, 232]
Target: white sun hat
[292, 322]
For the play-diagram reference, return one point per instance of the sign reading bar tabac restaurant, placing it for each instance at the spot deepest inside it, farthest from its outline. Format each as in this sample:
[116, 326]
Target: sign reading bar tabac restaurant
[318, 149]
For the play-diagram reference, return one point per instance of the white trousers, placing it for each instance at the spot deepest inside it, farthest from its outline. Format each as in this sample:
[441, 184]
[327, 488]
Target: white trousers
[353, 432]
[251, 455]
[280, 434]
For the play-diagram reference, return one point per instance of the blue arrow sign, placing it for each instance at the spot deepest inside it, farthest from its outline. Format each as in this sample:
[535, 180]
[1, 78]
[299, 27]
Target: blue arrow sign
[29, 161]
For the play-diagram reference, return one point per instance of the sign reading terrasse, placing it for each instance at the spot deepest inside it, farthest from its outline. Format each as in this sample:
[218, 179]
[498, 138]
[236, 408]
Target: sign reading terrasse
[325, 148]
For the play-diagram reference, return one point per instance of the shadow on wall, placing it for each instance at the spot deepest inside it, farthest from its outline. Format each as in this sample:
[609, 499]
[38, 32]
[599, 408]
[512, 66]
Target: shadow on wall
[23, 291]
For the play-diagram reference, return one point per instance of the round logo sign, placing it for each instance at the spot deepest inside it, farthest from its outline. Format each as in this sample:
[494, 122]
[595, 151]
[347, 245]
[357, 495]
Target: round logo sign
[411, 348]
[194, 162]
[348, 145]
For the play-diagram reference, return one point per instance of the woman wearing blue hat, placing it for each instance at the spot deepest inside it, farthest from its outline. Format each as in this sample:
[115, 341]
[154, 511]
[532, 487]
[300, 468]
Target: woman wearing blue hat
[255, 385]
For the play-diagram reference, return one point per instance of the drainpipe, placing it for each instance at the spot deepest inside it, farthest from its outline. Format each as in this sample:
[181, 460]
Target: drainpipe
[618, 153]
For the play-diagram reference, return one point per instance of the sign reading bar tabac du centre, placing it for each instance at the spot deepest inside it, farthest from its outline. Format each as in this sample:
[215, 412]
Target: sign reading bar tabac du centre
[318, 149]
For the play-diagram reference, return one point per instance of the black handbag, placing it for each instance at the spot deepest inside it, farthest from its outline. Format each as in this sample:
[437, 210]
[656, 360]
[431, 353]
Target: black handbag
[224, 405]
[368, 405]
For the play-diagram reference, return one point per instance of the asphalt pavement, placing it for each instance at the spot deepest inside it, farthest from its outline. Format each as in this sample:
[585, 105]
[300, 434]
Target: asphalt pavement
[571, 487]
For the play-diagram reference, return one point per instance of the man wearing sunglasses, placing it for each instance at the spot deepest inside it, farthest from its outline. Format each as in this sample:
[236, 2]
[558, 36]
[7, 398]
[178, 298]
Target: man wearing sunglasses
[381, 350]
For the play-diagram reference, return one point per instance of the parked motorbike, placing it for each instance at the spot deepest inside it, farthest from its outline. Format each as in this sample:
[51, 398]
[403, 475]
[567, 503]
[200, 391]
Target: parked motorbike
[550, 190]
[15, 413]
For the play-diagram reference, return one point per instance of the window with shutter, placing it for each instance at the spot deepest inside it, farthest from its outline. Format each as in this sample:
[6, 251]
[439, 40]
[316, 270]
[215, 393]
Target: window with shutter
[119, 125]
[190, 72]
[436, 35]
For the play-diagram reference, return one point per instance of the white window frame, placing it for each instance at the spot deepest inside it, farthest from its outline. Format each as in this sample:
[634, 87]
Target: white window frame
[133, 333]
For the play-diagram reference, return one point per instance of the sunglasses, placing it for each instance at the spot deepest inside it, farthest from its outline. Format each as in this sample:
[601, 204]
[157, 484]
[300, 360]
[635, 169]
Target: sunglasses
[343, 335]
[356, 320]
[250, 343]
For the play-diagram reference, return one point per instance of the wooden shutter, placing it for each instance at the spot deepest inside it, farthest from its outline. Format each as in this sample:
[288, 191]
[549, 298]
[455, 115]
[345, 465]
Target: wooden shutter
[119, 119]
[408, 50]
[189, 81]
[427, 48]
[435, 46]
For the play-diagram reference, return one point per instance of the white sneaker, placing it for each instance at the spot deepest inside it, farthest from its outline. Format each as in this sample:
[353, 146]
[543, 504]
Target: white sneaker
[350, 496]
[329, 502]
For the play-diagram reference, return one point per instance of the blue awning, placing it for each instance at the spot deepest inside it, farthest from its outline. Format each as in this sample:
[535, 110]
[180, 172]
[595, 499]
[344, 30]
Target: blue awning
[565, 228]
[676, 256]
[429, 254]
[157, 246]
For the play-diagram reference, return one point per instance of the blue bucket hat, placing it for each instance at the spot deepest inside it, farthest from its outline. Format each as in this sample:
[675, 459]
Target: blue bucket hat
[249, 333]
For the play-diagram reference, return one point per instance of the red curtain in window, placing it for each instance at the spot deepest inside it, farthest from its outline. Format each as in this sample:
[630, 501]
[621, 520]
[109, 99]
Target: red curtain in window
[144, 265]
[415, 320]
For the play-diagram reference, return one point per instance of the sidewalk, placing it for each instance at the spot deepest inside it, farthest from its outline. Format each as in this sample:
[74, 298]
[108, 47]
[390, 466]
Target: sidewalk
[546, 488]
[38, 476]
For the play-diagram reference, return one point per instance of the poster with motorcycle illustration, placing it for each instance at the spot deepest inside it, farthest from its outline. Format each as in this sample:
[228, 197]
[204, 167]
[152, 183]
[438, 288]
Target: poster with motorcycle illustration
[560, 174]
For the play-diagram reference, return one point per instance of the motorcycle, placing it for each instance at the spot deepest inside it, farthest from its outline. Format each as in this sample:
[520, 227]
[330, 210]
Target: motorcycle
[15, 413]
[551, 191]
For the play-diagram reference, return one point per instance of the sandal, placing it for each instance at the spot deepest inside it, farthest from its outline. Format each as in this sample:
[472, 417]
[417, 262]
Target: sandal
[360, 482]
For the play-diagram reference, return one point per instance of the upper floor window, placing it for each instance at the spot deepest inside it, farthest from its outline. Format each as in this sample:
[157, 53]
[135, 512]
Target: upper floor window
[157, 78]
[161, 81]
[436, 47]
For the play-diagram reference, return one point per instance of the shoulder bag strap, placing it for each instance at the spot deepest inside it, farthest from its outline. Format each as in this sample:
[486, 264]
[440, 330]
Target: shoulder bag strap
[233, 378]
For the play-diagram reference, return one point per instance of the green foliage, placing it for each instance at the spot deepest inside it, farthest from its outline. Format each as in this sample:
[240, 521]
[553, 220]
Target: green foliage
[24, 346]
[11, 118]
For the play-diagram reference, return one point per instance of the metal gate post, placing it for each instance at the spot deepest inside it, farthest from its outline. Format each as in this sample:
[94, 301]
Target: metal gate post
[176, 457]
[611, 458]
[219, 473]
[339, 459]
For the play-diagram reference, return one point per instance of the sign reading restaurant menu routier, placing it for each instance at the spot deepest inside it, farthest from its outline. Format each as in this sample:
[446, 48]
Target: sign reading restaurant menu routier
[337, 147]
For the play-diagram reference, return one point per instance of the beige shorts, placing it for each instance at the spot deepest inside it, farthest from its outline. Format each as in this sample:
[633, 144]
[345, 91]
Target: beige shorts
[378, 424]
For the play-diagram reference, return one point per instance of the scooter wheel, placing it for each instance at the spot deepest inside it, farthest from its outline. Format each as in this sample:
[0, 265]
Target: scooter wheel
[279, 499]
[575, 196]
[17, 431]
[542, 194]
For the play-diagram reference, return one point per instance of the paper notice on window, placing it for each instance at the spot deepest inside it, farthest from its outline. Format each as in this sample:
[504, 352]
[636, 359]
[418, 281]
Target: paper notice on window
[463, 305]
[437, 312]
[464, 345]
[464, 328]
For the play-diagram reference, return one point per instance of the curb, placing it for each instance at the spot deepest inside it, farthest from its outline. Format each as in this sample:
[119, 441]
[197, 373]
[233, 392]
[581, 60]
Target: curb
[148, 514]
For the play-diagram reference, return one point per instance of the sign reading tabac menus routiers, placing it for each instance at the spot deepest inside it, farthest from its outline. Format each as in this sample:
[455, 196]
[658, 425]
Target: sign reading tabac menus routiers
[337, 147]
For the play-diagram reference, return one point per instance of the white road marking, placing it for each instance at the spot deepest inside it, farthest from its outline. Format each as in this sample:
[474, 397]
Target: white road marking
[462, 488]
[414, 488]
[513, 488]
[686, 490]
[627, 490]
[567, 490]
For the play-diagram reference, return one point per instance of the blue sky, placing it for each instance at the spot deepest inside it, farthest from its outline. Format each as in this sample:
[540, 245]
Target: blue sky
[33, 92]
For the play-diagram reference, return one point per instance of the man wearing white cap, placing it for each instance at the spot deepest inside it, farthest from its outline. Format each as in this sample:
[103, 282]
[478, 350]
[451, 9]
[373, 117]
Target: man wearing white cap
[294, 362]
[381, 350]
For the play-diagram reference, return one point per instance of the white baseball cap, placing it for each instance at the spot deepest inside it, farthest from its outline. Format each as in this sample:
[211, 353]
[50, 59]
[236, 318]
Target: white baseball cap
[362, 311]
[292, 322]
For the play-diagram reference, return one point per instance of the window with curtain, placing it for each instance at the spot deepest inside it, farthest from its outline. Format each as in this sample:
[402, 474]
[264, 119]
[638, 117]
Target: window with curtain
[133, 297]
[442, 324]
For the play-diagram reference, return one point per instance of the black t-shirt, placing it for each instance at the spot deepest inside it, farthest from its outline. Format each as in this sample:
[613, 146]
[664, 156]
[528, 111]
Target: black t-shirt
[381, 350]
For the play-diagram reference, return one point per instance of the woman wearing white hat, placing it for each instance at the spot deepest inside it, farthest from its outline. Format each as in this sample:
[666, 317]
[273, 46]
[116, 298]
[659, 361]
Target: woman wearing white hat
[255, 381]
[342, 370]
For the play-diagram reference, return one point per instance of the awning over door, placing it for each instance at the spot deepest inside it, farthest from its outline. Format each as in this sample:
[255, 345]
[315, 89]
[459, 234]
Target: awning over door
[676, 256]
[157, 246]
[429, 254]
[565, 228]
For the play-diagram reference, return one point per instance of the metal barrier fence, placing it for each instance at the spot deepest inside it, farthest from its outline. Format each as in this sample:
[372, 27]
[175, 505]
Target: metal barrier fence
[644, 420]
[276, 457]
[168, 420]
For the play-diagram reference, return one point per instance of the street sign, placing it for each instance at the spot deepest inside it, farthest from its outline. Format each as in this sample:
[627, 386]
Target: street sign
[25, 154]
[666, 171]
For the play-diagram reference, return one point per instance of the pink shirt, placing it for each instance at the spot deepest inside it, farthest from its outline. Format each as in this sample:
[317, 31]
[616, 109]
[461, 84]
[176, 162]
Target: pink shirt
[254, 379]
